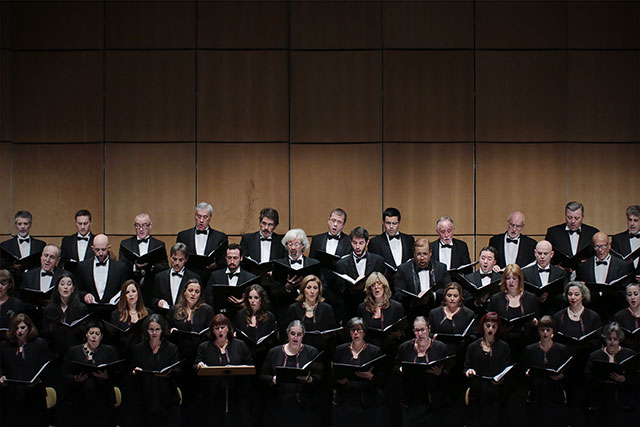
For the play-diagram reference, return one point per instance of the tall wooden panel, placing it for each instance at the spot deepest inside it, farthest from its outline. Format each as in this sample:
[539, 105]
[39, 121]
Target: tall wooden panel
[158, 179]
[427, 181]
[150, 96]
[243, 96]
[604, 24]
[531, 178]
[5, 95]
[6, 196]
[336, 96]
[53, 181]
[241, 179]
[324, 177]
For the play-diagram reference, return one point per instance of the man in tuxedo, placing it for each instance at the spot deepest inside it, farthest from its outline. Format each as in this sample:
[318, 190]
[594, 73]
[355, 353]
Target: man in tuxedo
[169, 284]
[359, 263]
[20, 246]
[233, 275]
[264, 245]
[395, 247]
[573, 236]
[77, 247]
[420, 274]
[43, 278]
[541, 273]
[514, 247]
[334, 241]
[486, 273]
[141, 244]
[202, 240]
[450, 251]
[100, 277]
[628, 241]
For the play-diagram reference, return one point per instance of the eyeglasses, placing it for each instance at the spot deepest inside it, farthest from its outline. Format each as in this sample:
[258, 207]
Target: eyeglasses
[598, 247]
[355, 330]
[141, 226]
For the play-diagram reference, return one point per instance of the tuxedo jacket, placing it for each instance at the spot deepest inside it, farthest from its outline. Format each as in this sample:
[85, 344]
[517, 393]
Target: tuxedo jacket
[11, 245]
[526, 250]
[559, 238]
[532, 276]
[214, 239]
[69, 248]
[116, 276]
[319, 243]
[347, 265]
[407, 278]
[31, 278]
[250, 244]
[621, 243]
[162, 286]
[617, 269]
[132, 244]
[219, 277]
[380, 245]
[459, 252]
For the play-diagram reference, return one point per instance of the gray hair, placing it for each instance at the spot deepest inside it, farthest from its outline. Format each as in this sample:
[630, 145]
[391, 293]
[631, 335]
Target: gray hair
[574, 206]
[296, 323]
[609, 329]
[633, 210]
[444, 218]
[586, 293]
[204, 206]
[296, 233]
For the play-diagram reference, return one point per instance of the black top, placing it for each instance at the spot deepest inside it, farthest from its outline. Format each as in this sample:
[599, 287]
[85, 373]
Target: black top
[500, 304]
[260, 330]
[590, 321]
[628, 321]
[458, 323]
[358, 391]
[237, 353]
[414, 386]
[23, 366]
[199, 320]
[92, 391]
[152, 389]
[487, 364]
[8, 309]
[544, 388]
[390, 315]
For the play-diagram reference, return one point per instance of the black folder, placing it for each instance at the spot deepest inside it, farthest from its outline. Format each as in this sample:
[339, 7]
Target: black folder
[72, 324]
[540, 371]
[221, 293]
[243, 335]
[630, 257]
[497, 379]
[555, 287]
[398, 325]
[327, 259]
[455, 338]
[255, 267]
[200, 262]
[87, 368]
[420, 369]
[286, 374]
[26, 262]
[152, 257]
[566, 339]
[32, 380]
[182, 334]
[36, 296]
[491, 288]
[281, 271]
[133, 329]
[602, 370]
[163, 370]
[518, 321]
[571, 261]
[346, 370]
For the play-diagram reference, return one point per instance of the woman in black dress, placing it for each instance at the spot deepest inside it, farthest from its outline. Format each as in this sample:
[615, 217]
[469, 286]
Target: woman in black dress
[613, 399]
[91, 394]
[488, 356]
[425, 396]
[22, 355]
[379, 311]
[222, 349]
[294, 402]
[9, 306]
[358, 400]
[629, 318]
[129, 312]
[547, 398]
[156, 394]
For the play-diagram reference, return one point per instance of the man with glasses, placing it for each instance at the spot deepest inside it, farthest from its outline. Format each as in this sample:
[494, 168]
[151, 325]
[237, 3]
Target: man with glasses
[514, 247]
[141, 244]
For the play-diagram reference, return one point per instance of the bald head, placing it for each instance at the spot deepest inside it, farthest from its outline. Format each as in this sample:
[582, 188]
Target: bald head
[515, 224]
[50, 257]
[101, 247]
[601, 245]
[543, 253]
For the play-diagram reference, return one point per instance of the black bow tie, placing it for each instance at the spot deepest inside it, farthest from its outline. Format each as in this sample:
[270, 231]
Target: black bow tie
[601, 262]
[544, 270]
[46, 273]
[428, 268]
[86, 239]
[25, 240]
[265, 239]
[512, 240]
[483, 275]
[397, 236]
[631, 236]
[574, 231]
[145, 240]
[358, 259]
[173, 273]
[202, 231]
[232, 275]
[101, 264]
[297, 261]
[334, 237]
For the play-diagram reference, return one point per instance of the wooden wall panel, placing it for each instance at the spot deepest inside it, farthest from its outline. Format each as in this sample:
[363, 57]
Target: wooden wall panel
[604, 24]
[522, 96]
[56, 96]
[6, 196]
[324, 177]
[241, 179]
[155, 178]
[604, 177]
[243, 96]
[604, 96]
[55, 24]
[531, 178]
[336, 96]
[411, 24]
[5, 95]
[150, 96]
[243, 24]
[150, 24]
[53, 181]
[540, 24]
[427, 181]
[336, 24]
[428, 96]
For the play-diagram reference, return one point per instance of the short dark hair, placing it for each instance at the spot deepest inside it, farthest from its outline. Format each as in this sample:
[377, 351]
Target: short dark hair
[221, 319]
[270, 213]
[340, 212]
[574, 206]
[491, 316]
[83, 212]
[234, 246]
[93, 323]
[633, 210]
[359, 232]
[179, 247]
[547, 322]
[160, 320]
[490, 249]
[391, 212]
[23, 214]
